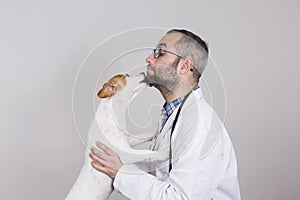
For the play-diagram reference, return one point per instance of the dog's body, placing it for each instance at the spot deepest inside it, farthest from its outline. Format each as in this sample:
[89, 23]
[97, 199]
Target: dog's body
[109, 127]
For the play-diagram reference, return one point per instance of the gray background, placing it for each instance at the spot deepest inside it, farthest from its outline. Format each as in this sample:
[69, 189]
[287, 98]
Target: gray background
[42, 44]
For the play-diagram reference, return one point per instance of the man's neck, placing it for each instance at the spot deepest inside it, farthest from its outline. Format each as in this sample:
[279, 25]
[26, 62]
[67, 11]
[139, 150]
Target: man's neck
[177, 92]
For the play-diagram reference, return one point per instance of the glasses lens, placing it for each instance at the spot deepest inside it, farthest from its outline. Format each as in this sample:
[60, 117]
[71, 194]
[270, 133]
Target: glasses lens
[157, 52]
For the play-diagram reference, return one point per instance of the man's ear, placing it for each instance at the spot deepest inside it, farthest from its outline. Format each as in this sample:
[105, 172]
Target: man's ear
[107, 90]
[186, 65]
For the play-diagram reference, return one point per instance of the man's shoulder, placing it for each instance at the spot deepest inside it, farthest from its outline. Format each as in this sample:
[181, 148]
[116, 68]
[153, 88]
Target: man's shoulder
[196, 104]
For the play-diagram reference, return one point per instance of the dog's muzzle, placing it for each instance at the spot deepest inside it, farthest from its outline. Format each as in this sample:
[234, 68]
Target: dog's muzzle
[144, 77]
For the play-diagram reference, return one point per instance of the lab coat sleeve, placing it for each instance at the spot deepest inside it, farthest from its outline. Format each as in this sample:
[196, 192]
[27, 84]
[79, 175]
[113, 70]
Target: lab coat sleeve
[190, 177]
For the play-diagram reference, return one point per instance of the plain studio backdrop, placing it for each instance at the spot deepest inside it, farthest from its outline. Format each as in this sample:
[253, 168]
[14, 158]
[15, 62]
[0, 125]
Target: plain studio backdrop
[255, 45]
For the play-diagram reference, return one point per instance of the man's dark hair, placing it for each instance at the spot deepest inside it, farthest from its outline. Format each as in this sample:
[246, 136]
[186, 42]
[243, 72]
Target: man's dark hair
[192, 45]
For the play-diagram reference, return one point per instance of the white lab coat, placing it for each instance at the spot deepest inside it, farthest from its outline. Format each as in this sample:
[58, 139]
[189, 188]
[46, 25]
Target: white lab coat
[203, 160]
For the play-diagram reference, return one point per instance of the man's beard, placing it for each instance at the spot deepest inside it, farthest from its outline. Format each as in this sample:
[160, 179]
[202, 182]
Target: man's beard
[165, 78]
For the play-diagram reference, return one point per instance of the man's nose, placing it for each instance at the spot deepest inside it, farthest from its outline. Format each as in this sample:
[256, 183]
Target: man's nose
[150, 59]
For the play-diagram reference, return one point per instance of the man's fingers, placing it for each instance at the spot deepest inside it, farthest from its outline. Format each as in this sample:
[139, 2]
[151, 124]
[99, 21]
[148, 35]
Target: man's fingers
[105, 160]
[107, 150]
[103, 169]
[98, 159]
[100, 167]
[100, 154]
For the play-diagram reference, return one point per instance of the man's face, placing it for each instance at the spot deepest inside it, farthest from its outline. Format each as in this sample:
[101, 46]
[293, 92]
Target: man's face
[162, 71]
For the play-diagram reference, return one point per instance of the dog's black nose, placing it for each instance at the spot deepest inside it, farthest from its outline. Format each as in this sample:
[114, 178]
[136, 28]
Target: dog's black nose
[127, 75]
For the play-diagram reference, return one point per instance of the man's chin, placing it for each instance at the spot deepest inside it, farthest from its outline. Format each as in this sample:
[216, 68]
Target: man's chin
[148, 80]
[149, 83]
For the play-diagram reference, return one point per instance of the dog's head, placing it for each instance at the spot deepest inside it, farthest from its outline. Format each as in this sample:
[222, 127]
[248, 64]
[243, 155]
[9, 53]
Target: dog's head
[123, 83]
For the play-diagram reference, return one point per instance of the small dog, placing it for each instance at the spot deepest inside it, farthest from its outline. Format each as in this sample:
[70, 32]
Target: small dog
[109, 127]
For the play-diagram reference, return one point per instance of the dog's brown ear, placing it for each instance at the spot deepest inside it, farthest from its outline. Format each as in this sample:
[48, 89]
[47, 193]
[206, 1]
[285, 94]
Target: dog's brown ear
[107, 90]
[114, 84]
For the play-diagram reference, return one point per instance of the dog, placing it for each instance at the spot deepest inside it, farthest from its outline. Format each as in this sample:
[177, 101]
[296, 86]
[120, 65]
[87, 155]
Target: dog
[109, 127]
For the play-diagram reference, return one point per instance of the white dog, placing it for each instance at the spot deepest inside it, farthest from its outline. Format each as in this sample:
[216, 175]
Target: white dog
[109, 127]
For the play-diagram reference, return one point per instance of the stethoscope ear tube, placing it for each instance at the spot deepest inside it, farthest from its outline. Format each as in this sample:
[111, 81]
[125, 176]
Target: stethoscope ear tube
[173, 127]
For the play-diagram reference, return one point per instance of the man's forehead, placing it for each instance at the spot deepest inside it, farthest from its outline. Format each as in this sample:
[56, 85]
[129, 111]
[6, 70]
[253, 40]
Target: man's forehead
[169, 40]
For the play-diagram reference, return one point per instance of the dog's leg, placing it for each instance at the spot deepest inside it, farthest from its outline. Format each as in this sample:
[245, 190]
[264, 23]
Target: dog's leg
[140, 139]
[90, 185]
[134, 155]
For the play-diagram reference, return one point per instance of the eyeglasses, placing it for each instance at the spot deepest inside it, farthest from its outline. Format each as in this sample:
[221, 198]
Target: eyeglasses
[158, 52]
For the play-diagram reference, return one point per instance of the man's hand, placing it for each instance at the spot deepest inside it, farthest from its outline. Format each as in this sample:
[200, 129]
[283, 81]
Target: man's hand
[107, 161]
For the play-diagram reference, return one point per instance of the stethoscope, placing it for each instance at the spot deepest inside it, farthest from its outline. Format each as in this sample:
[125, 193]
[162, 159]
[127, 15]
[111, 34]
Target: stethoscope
[173, 127]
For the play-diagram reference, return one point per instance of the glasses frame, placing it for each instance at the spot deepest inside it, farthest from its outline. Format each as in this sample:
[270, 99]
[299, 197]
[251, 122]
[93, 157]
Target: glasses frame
[157, 53]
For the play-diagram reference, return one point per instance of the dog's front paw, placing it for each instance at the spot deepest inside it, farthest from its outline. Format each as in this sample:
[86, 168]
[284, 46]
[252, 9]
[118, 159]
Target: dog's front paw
[163, 155]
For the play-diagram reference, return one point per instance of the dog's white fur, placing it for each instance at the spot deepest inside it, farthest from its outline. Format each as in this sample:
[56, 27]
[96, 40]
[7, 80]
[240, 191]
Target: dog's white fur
[109, 127]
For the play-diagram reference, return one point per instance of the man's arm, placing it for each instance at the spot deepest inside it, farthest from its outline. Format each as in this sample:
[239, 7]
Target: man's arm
[190, 177]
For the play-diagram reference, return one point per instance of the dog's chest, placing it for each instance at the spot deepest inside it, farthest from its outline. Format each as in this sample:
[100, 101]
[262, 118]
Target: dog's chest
[107, 125]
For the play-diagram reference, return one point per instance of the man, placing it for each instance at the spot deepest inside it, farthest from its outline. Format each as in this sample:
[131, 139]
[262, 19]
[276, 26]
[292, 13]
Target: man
[202, 160]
